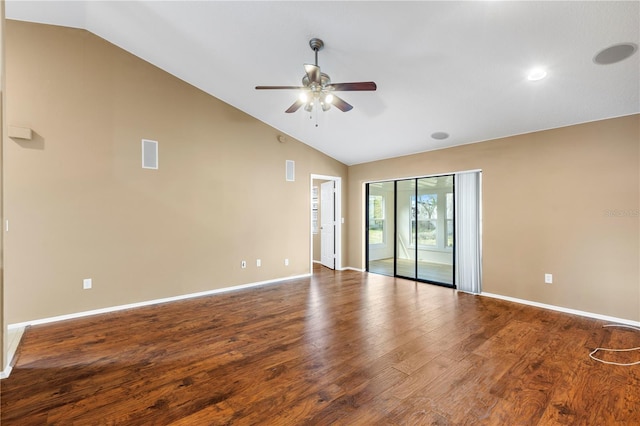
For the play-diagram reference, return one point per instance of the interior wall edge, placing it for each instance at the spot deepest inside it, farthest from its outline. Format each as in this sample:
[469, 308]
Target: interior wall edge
[4, 345]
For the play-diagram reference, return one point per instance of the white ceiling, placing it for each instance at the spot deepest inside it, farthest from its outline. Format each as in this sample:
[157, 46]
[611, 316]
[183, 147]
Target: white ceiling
[455, 67]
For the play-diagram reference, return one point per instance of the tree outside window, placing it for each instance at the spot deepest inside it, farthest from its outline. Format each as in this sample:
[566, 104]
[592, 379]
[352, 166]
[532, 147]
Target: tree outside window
[427, 215]
[435, 220]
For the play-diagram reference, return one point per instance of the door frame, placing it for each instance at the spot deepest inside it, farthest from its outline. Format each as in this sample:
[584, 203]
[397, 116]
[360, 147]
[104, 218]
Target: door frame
[339, 219]
[327, 231]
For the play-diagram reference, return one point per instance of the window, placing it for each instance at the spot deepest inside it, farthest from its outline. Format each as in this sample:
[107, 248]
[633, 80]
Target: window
[427, 215]
[449, 219]
[434, 229]
[376, 219]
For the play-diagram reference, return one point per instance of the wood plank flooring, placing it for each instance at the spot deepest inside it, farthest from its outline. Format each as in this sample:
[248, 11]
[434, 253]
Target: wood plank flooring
[345, 348]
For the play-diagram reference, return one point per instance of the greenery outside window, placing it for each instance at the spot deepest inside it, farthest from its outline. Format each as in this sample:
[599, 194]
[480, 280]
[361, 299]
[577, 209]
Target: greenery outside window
[434, 214]
[427, 215]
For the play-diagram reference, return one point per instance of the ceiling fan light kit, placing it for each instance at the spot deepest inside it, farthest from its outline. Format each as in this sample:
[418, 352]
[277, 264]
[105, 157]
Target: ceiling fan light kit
[317, 90]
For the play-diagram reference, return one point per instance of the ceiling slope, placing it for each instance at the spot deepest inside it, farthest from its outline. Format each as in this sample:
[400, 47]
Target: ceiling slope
[453, 67]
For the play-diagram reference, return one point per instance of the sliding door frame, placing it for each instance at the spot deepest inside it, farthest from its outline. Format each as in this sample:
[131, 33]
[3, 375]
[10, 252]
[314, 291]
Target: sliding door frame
[395, 229]
[366, 227]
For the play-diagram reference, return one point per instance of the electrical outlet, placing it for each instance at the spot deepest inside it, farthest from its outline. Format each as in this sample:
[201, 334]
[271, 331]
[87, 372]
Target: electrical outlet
[87, 283]
[243, 264]
[286, 262]
[258, 263]
[548, 278]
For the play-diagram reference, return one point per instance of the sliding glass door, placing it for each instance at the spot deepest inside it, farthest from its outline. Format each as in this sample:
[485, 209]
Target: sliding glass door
[434, 226]
[421, 223]
[380, 228]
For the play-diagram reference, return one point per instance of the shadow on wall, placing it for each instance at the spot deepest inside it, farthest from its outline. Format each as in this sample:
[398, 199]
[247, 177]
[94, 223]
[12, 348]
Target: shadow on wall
[36, 141]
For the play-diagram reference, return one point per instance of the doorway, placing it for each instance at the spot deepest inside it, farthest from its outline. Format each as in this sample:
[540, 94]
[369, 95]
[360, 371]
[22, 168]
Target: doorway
[326, 221]
[410, 229]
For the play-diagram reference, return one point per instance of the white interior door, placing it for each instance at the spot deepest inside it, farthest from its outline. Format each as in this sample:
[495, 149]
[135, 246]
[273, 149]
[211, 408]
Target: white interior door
[327, 225]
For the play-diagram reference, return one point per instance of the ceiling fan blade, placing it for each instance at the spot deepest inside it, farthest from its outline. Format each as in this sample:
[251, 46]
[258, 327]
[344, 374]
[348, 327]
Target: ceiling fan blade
[313, 73]
[279, 87]
[296, 106]
[350, 87]
[341, 104]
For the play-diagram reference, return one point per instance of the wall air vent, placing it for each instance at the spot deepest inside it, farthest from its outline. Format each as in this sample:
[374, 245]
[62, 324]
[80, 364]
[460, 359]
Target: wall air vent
[290, 170]
[149, 154]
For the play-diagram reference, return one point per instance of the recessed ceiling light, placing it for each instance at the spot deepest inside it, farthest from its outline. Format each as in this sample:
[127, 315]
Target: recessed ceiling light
[439, 135]
[615, 53]
[536, 74]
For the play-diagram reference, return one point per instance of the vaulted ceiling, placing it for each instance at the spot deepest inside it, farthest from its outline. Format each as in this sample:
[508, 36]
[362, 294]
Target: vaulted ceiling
[454, 67]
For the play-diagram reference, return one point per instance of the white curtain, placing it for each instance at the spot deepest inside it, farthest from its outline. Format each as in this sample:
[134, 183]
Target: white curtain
[468, 244]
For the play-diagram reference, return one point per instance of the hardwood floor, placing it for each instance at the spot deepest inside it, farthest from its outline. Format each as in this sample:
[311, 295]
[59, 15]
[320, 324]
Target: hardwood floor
[345, 348]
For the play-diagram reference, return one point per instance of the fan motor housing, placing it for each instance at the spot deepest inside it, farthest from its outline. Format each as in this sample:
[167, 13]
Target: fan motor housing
[324, 80]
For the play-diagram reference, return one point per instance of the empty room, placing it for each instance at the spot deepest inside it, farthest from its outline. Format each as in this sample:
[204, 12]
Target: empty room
[320, 212]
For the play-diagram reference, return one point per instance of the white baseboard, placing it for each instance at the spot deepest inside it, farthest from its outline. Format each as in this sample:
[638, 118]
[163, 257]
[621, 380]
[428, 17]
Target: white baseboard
[13, 341]
[346, 268]
[22, 325]
[562, 309]
[6, 372]
[152, 302]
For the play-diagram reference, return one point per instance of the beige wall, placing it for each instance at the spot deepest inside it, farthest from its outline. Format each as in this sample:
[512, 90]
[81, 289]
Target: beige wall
[3, 323]
[80, 205]
[562, 201]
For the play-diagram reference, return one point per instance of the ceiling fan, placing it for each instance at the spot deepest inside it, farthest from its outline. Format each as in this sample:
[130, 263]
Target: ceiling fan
[317, 89]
